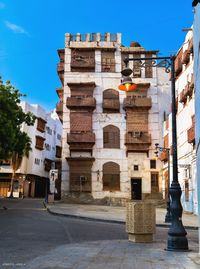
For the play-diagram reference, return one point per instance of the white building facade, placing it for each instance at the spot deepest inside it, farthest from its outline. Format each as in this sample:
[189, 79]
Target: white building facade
[109, 136]
[186, 149]
[32, 177]
[196, 33]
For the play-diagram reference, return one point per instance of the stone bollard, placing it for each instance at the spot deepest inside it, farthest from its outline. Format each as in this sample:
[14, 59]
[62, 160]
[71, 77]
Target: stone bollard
[50, 198]
[140, 221]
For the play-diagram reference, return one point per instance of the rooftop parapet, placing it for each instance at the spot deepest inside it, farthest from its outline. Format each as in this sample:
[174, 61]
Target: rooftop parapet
[92, 40]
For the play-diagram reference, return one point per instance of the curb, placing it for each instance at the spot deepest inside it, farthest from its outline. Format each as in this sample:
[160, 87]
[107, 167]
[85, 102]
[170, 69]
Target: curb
[107, 220]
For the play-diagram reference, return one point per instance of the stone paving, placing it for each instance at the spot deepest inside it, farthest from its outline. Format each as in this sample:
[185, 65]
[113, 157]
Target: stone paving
[116, 254]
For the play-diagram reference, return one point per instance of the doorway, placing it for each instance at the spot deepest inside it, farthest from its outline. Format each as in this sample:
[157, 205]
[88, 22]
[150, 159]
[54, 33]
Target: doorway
[136, 188]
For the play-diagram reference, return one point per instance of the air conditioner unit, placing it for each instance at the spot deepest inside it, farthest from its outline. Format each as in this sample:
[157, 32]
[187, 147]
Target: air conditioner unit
[136, 134]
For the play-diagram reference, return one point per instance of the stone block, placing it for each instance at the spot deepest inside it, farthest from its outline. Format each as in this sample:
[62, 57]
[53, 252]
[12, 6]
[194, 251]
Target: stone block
[140, 221]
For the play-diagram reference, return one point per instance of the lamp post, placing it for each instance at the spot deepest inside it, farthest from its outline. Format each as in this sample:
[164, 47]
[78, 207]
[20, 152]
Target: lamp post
[168, 214]
[177, 240]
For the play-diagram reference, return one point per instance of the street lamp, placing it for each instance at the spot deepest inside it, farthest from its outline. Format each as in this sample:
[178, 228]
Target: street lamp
[177, 240]
[168, 214]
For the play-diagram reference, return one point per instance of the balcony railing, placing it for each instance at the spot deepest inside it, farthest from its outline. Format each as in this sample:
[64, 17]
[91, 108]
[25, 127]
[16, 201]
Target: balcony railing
[111, 105]
[137, 142]
[191, 135]
[136, 102]
[81, 102]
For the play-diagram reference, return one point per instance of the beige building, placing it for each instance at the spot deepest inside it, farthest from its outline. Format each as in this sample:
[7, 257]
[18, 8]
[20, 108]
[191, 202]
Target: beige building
[109, 136]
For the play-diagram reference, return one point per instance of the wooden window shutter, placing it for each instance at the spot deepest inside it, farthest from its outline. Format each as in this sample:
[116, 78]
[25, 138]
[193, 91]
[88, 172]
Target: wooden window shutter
[80, 122]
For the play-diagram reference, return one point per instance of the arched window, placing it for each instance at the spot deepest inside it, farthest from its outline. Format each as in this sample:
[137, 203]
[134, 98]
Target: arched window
[111, 137]
[111, 101]
[111, 177]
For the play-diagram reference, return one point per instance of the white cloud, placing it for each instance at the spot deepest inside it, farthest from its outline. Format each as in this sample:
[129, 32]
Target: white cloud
[2, 5]
[16, 28]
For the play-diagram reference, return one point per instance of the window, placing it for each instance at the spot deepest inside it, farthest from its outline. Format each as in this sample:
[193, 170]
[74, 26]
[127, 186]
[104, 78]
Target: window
[39, 142]
[47, 147]
[58, 136]
[153, 164]
[111, 137]
[154, 182]
[41, 125]
[148, 67]
[111, 177]
[58, 152]
[111, 101]
[37, 161]
[186, 190]
[49, 130]
[135, 167]
[107, 61]
[82, 60]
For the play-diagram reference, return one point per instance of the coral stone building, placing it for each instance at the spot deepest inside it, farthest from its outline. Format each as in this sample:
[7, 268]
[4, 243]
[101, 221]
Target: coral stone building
[109, 136]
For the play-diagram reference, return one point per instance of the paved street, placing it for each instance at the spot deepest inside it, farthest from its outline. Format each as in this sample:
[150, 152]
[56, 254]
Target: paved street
[33, 238]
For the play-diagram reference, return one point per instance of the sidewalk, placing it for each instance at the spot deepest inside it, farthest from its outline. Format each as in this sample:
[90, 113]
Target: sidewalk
[114, 254]
[113, 214]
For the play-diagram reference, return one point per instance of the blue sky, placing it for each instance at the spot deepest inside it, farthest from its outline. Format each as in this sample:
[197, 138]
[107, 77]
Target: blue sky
[31, 31]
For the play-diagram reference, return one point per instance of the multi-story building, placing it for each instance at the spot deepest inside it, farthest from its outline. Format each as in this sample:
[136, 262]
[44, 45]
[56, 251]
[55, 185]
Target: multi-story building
[33, 175]
[196, 38]
[109, 136]
[186, 153]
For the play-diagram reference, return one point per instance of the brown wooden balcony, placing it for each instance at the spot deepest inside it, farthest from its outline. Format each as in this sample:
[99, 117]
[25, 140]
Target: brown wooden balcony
[47, 164]
[81, 63]
[83, 141]
[41, 123]
[111, 105]
[81, 102]
[183, 97]
[191, 135]
[163, 156]
[191, 84]
[61, 53]
[59, 107]
[188, 90]
[186, 57]
[59, 110]
[136, 102]
[190, 45]
[137, 142]
[60, 93]
[39, 142]
[60, 67]
[178, 65]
